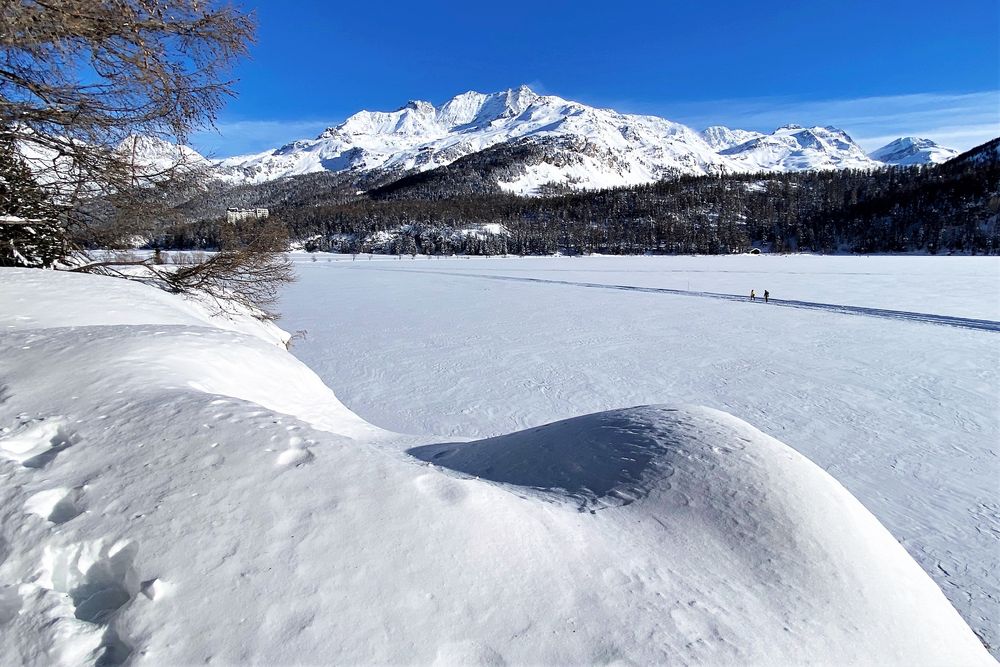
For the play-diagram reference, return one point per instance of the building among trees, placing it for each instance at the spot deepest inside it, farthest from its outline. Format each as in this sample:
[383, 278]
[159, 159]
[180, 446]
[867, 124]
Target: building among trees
[237, 214]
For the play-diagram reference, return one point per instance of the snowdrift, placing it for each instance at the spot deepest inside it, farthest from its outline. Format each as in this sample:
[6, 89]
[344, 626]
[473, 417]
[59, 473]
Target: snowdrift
[762, 542]
[178, 488]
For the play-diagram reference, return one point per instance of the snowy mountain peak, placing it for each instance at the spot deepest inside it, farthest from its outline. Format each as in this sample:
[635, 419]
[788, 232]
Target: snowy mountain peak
[912, 151]
[580, 146]
[797, 148]
[522, 96]
[721, 137]
[478, 109]
[146, 148]
[420, 106]
[153, 157]
[422, 118]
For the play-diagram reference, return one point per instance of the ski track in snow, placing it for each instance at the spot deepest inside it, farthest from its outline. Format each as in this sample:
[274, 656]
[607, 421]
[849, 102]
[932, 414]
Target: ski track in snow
[926, 318]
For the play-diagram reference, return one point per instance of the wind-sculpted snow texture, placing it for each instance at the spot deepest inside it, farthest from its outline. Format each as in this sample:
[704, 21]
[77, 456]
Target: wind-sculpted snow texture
[178, 489]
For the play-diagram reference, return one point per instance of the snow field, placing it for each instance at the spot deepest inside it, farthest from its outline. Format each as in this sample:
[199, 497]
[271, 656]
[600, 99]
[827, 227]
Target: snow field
[203, 497]
[903, 412]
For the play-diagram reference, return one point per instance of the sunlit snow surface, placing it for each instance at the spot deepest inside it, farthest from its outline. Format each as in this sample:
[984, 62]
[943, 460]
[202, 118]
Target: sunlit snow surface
[886, 372]
[176, 488]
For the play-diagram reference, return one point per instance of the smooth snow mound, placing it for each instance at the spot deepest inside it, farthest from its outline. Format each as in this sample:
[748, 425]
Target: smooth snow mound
[176, 491]
[741, 516]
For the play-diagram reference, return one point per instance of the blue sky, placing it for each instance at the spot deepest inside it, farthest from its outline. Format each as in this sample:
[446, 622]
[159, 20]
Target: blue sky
[877, 69]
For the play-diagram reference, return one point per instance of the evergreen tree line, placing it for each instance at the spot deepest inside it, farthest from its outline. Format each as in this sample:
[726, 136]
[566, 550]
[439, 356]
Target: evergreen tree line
[941, 208]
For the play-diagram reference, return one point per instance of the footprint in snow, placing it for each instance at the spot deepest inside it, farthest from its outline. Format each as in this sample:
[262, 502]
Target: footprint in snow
[57, 505]
[296, 455]
[36, 442]
[449, 490]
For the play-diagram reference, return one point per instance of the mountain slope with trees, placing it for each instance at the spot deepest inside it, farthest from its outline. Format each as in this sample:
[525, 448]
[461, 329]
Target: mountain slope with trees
[462, 208]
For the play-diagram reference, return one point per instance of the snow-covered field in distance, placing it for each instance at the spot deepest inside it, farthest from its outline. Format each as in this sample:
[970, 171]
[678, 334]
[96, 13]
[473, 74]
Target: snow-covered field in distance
[900, 408]
[959, 286]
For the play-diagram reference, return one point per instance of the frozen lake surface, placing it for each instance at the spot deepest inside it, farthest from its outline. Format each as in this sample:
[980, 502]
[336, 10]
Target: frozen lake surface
[882, 370]
[178, 488]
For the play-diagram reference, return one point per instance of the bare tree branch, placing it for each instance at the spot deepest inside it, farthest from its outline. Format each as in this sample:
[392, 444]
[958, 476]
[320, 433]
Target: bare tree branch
[86, 84]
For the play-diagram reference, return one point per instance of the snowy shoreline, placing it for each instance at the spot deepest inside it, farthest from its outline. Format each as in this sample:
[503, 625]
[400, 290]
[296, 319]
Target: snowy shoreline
[179, 488]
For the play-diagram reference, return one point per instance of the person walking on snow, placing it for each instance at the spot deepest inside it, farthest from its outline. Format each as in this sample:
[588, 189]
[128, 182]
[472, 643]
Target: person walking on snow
[753, 295]
[766, 295]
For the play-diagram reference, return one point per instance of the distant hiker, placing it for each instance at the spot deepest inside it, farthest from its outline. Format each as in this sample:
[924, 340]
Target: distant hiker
[753, 295]
[766, 295]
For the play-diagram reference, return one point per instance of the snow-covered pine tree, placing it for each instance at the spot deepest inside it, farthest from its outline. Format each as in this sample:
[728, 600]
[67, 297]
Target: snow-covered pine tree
[30, 234]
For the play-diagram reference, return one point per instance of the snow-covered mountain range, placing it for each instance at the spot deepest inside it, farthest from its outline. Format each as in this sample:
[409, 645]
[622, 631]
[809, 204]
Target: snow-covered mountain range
[583, 146]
